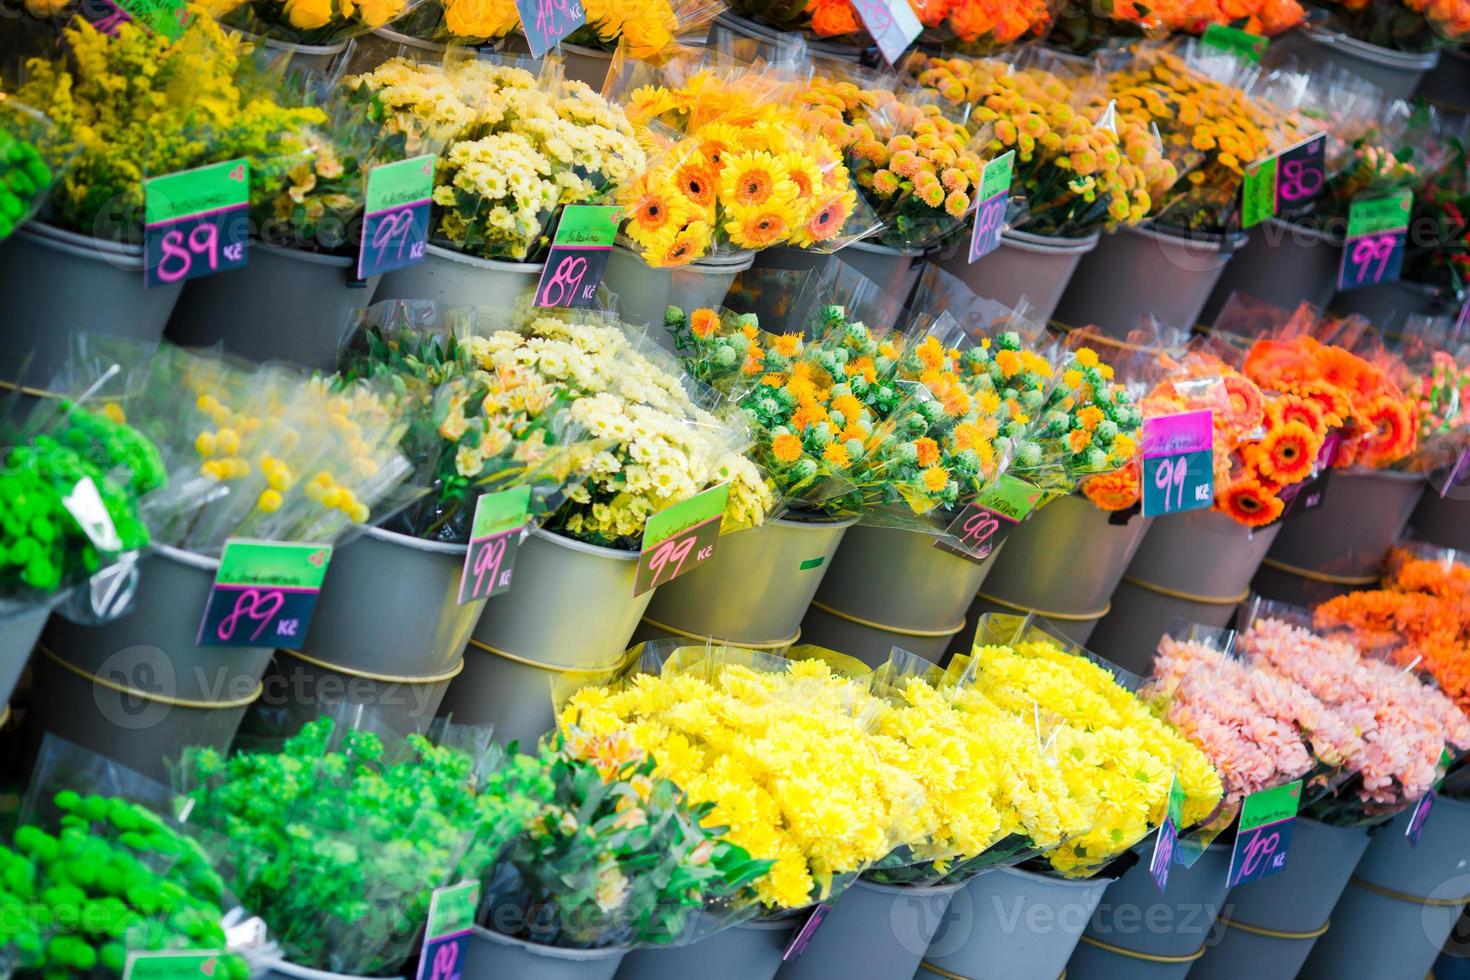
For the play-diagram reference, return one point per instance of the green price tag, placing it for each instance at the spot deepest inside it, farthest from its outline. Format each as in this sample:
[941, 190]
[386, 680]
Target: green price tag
[165, 17]
[453, 908]
[395, 223]
[1264, 834]
[495, 537]
[264, 594]
[578, 257]
[990, 213]
[1258, 193]
[1232, 40]
[680, 538]
[1377, 236]
[196, 222]
[176, 965]
[1373, 216]
[984, 524]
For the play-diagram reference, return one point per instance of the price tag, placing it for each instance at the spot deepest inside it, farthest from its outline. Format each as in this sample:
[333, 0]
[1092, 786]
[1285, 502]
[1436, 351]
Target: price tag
[1232, 40]
[1458, 476]
[990, 215]
[1168, 836]
[1376, 236]
[579, 250]
[264, 594]
[1309, 494]
[165, 17]
[1416, 820]
[84, 504]
[495, 537]
[680, 538]
[1288, 180]
[196, 222]
[1264, 835]
[452, 912]
[986, 522]
[546, 22]
[803, 936]
[174, 965]
[1178, 462]
[395, 226]
[893, 24]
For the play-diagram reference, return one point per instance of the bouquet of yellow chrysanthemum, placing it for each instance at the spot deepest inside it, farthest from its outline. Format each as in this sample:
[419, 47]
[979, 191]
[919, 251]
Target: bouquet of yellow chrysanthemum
[734, 165]
[918, 169]
[786, 750]
[1074, 173]
[1117, 758]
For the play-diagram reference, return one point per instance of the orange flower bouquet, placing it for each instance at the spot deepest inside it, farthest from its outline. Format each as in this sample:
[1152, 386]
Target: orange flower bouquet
[1402, 25]
[982, 26]
[1084, 29]
[834, 19]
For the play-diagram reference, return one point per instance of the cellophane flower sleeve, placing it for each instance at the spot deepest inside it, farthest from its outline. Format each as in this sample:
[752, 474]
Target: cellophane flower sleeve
[311, 22]
[28, 169]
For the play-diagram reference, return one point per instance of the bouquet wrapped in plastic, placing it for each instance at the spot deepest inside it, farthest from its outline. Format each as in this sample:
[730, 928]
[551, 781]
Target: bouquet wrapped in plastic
[1078, 168]
[1104, 25]
[1117, 758]
[736, 164]
[1401, 25]
[310, 22]
[26, 172]
[786, 750]
[516, 148]
[110, 96]
[976, 27]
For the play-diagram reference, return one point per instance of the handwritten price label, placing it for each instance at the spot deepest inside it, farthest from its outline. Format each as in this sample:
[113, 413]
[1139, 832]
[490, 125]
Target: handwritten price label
[1264, 835]
[1416, 819]
[547, 22]
[893, 24]
[1178, 463]
[578, 257]
[1376, 236]
[395, 227]
[990, 215]
[803, 936]
[495, 537]
[452, 912]
[985, 523]
[1232, 40]
[1285, 181]
[1167, 841]
[680, 538]
[264, 594]
[196, 222]
[165, 17]
[176, 965]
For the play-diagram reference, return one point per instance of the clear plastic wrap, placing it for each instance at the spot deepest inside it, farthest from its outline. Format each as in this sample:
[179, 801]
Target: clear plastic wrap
[27, 172]
[310, 22]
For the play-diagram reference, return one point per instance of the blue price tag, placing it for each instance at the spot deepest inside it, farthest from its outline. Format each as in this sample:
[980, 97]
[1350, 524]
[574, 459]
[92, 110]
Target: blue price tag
[1178, 463]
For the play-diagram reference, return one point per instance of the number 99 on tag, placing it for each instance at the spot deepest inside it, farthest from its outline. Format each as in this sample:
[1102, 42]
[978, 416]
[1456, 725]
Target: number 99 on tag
[1178, 483]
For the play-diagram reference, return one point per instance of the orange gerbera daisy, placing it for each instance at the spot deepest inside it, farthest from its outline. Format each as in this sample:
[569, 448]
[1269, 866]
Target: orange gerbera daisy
[1389, 431]
[1288, 452]
[1248, 503]
[786, 448]
[703, 323]
[928, 451]
[758, 230]
[828, 220]
[1294, 408]
[1336, 409]
[1247, 407]
[696, 181]
[651, 213]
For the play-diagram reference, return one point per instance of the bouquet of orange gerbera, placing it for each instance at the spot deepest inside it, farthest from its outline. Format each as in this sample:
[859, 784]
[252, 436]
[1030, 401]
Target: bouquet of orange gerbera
[1085, 28]
[982, 26]
[735, 165]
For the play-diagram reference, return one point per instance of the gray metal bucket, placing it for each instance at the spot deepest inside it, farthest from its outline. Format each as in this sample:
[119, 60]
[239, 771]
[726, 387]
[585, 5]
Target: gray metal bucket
[55, 284]
[1010, 924]
[298, 689]
[1036, 267]
[779, 566]
[452, 278]
[1145, 271]
[152, 648]
[1285, 264]
[1196, 566]
[390, 605]
[1444, 521]
[750, 951]
[1388, 306]
[1170, 930]
[281, 970]
[870, 642]
[313, 57]
[878, 932]
[1363, 513]
[644, 292]
[491, 956]
[1396, 72]
[1447, 85]
[140, 729]
[19, 630]
[1271, 924]
[512, 694]
[1063, 563]
[895, 271]
[1402, 902]
[580, 63]
[286, 304]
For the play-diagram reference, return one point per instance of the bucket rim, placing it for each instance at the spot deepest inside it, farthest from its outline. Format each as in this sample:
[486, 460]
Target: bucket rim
[336, 47]
[1376, 54]
[1080, 883]
[587, 52]
[308, 973]
[290, 254]
[126, 258]
[417, 544]
[550, 952]
[877, 886]
[1027, 241]
[710, 265]
[190, 559]
[572, 544]
[1206, 240]
[397, 37]
[814, 524]
[877, 248]
[1368, 472]
[498, 265]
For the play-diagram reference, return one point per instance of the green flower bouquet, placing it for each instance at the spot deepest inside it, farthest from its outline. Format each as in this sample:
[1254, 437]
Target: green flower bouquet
[25, 175]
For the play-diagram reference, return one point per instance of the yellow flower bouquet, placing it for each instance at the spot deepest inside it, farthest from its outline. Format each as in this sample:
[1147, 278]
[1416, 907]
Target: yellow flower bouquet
[733, 165]
[786, 750]
[517, 150]
[1074, 174]
[312, 22]
[1117, 757]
